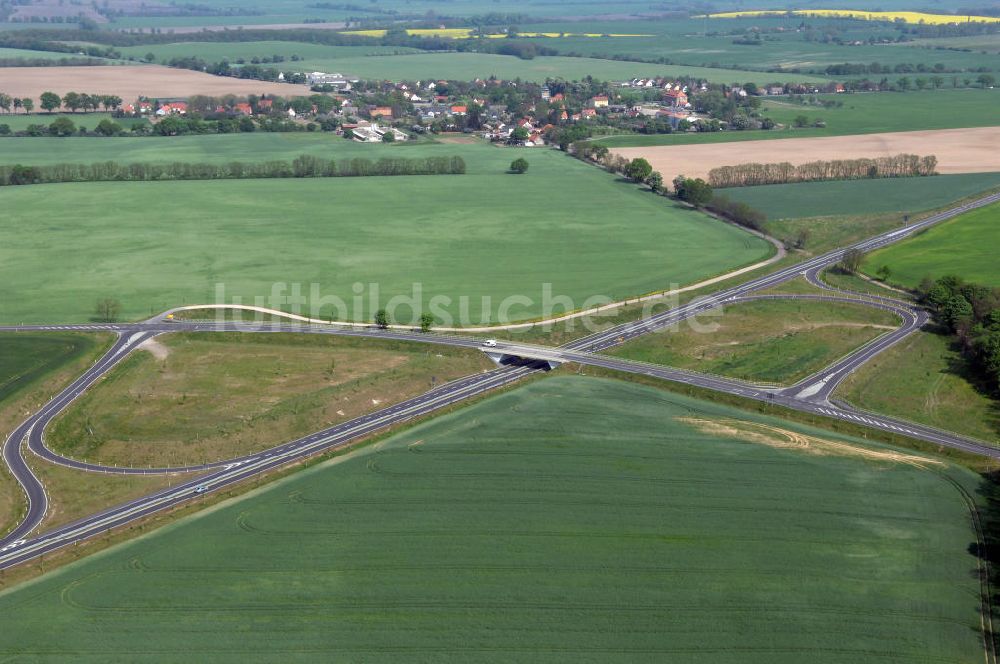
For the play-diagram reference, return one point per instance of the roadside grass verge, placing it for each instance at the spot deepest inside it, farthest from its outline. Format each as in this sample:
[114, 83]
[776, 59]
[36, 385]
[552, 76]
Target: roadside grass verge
[924, 379]
[203, 397]
[770, 341]
[420, 526]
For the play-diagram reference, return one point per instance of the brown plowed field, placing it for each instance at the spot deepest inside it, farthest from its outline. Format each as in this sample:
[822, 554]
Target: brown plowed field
[130, 82]
[958, 151]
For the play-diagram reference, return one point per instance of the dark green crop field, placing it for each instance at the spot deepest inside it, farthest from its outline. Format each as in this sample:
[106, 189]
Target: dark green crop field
[575, 519]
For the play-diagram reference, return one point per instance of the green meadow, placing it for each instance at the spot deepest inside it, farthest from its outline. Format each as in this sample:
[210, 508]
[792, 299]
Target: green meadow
[536, 526]
[469, 241]
[964, 246]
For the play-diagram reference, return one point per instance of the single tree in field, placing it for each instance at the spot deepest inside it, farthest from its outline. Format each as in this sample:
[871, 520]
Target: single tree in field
[108, 309]
[5, 101]
[851, 262]
[381, 319]
[18, 102]
[426, 322]
[884, 273]
[638, 170]
[519, 165]
[388, 137]
[28, 105]
[50, 101]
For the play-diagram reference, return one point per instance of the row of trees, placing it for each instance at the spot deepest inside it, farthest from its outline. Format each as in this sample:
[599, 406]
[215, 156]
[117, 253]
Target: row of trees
[50, 101]
[693, 191]
[972, 313]
[748, 175]
[304, 166]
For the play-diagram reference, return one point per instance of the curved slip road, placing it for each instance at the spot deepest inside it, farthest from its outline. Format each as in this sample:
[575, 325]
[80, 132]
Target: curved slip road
[15, 549]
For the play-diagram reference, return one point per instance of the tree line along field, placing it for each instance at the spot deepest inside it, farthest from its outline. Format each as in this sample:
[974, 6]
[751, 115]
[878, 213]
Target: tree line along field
[483, 234]
[964, 246]
[532, 524]
[21, 121]
[232, 51]
[860, 113]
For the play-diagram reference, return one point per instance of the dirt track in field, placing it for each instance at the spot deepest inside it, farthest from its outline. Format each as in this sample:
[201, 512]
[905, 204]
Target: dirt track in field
[130, 82]
[958, 151]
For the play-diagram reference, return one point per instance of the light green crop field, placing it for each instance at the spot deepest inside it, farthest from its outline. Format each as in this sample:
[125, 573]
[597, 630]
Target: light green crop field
[857, 197]
[866, 113]
[771, 341]
[922, 379]
[20, 122]
[218, 51]
[965, 246]
[535, 525]
[466, 66]
[485, 234]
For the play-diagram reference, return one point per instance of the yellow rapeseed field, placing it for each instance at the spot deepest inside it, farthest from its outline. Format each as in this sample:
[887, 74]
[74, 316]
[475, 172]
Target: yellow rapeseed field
[907, 17]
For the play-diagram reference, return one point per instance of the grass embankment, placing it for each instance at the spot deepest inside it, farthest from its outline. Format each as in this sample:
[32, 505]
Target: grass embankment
[822, 550]
[924, 379]
[209, 397]
[869, 113]
[33, 367]
[965, 246]
[779, 341]
[463, 238]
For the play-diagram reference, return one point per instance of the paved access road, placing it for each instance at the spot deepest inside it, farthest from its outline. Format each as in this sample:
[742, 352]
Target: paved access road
[810, 395]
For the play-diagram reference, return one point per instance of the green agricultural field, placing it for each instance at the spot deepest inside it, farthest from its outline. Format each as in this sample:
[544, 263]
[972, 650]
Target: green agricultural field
[965, 246]
[466, 66]
[205, 397]
[860, 114]
[921, 379]
[858, 197]
[772, 341]
[485, 234]
[711, 44]
[534, 525]
[25, 360]
[233, 51]
[20, 122]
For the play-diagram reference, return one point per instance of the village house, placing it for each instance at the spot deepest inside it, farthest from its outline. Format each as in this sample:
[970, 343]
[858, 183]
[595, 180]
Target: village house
[600, 101]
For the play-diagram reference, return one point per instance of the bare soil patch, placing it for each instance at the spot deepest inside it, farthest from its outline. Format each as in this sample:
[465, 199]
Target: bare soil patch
[130, 82]
[975, 150]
